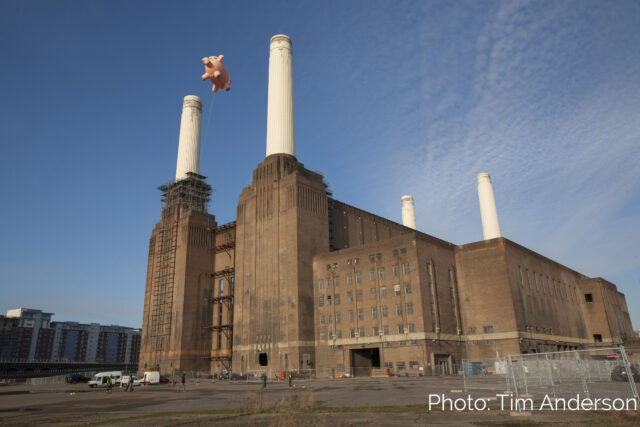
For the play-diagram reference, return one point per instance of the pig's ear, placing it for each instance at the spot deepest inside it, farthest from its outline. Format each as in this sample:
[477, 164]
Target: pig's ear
[220, 57]
[205, 59]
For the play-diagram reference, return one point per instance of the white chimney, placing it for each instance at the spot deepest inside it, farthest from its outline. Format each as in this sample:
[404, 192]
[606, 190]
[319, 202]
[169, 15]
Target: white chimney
[280, 124]
[408, 212]
[189, 142]
[490, 227]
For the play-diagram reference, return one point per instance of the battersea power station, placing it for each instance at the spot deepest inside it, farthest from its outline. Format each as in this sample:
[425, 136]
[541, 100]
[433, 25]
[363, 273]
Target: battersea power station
[302, 281]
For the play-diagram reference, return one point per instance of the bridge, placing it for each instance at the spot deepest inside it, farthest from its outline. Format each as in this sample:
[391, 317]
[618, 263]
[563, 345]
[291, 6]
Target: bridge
[23, 368]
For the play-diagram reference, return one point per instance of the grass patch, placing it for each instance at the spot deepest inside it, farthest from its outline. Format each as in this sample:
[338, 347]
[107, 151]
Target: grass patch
[164, 414]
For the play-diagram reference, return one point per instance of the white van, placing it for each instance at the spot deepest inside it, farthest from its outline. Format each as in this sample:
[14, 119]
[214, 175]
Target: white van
[127, 378]
[151, 377]
[100, 379]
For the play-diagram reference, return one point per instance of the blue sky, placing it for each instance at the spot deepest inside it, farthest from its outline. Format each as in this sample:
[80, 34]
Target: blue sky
[391, 98]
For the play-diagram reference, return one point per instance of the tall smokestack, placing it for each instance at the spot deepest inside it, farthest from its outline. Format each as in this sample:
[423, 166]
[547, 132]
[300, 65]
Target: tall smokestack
[189, 142]
[408, 213]
[490, 227]
[280, 124]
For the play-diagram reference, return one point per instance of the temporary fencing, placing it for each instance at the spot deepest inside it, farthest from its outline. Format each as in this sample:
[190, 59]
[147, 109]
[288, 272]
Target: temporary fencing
[595, 373]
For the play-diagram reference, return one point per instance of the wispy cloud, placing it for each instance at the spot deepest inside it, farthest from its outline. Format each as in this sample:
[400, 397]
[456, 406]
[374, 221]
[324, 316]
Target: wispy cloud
[548, 102]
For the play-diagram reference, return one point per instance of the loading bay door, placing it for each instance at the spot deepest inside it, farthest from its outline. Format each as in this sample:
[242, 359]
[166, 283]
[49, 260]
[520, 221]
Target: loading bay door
[363, 360]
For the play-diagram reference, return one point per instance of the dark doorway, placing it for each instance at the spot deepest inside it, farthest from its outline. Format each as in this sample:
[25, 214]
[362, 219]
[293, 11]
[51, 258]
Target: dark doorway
[363, 360]
[263, 359]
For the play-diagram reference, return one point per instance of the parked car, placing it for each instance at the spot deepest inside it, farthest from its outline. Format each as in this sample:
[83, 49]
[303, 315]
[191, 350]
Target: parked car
[75, 378]
[619, 373]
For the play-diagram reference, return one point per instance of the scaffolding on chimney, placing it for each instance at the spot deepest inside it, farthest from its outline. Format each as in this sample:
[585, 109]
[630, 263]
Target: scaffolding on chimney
[178, 198]
[191, 194]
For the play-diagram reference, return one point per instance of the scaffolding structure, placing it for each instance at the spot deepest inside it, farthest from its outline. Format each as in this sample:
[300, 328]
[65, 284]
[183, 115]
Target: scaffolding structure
[191, 194]
[222, 325]
[178, 198]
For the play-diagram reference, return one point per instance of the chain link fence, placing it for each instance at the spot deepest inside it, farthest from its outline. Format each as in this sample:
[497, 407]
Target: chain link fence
[595, 373]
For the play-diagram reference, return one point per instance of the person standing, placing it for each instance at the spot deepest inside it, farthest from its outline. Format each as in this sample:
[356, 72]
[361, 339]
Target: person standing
[264, 380]
[109, 384]
[290, 378]
[183, 382]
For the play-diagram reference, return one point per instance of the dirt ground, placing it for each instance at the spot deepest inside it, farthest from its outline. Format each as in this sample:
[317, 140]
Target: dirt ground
[383, 401]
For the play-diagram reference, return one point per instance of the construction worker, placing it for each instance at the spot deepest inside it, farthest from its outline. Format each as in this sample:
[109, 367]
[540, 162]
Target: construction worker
[290, 379]
[109, 384]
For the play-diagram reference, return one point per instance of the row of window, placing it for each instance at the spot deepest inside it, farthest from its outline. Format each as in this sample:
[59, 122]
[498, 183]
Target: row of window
[397, 291]
[375, 331]
[358, 276]
[372, 257]
[384, 312]
[486, 329]
[551, 287]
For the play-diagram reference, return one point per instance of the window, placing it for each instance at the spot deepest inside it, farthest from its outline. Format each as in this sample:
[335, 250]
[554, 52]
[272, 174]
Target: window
[352, 333]
[322, 336]
[328, 299]
[349, 279]
[396, 290]
[400, 329]
[320, 284]
[330, 318]
[328, 283]
[372, 275]
[358, 277]
[375, 331]
[372, 293]
[340, 367]
[409, 308]
[385, 329]
[374, 312]
[396, 270]
[395, 252]
[412, 327]
[588, 297]
[338, 317]
[371, 257]
[383, 291]
[361, 332]
[405, 268]
[402, 343]
[336, 281]
[360, 314]
[388, 364]
[337, 299]
[379, 256]
[359, 295]
[407, 288]
[413, 365]
[403, 250]
[535, 280]
[321, 301]
[521, 276]
[385, 313]
[597, 338]
[351, 315]
[339, 333]
[399, 309]
[488, 329]
[356, 261]
[350, 296]
[322, 319]
[528, 278]
[413, 342]
[381, 272]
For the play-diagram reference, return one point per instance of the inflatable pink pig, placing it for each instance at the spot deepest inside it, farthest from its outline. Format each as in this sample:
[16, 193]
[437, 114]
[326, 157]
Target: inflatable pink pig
[216, 72]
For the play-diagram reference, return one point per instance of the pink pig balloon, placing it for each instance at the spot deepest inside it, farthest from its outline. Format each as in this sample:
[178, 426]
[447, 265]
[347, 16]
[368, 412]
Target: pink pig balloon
[216, 72]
